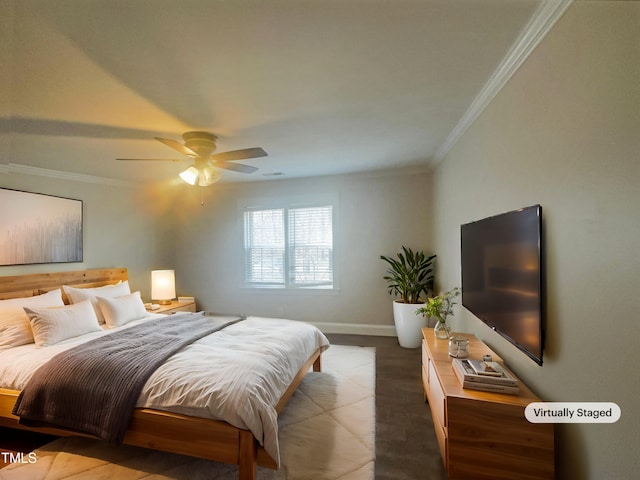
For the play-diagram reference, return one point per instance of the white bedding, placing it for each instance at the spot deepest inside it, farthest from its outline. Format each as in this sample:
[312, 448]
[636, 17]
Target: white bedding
[236, 375]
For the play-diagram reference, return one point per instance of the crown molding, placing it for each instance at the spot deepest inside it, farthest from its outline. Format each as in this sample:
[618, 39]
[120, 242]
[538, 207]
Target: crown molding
[543, 20]
[63, 175]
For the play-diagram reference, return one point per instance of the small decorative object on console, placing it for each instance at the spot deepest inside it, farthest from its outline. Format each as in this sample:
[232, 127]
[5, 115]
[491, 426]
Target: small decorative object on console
[458, 346]
[504, 382]
[440, 307]
[483, 367]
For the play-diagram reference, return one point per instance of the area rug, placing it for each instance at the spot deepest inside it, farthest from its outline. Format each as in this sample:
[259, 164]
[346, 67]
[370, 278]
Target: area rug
[326, 432]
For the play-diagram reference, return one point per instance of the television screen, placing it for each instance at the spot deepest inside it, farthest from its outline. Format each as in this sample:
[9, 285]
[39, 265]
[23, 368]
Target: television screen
[502, 276]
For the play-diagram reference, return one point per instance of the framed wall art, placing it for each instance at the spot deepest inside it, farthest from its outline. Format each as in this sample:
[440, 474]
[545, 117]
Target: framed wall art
[39, 228]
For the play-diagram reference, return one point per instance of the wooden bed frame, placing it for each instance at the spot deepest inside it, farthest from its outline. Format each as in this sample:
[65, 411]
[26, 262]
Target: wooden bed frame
[154, 429]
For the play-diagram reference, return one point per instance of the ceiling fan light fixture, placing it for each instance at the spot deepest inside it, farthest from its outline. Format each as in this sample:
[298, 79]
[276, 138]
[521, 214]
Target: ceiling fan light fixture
[190, 175]
[208, 176]
[200, 146]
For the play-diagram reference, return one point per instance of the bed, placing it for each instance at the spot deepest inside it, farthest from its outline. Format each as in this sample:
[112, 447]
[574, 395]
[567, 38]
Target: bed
[184, 431]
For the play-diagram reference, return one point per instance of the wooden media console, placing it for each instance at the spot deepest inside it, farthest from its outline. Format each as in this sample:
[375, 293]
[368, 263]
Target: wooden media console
[483, 435]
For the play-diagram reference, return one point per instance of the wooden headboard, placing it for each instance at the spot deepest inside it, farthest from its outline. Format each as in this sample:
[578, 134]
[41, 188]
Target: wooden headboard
[38, 283]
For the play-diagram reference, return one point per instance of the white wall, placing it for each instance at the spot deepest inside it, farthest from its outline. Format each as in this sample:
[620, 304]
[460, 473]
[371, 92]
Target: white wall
[564, 133]
[377, 214]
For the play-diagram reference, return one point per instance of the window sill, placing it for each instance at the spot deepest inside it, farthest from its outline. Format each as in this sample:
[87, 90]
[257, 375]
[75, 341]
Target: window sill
[289, 291]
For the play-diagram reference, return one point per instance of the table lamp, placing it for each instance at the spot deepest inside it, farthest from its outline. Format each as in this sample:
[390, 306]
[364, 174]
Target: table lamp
[163, 286]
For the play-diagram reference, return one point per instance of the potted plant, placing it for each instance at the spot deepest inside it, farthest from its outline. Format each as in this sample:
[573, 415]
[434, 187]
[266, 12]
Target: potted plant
[409, 276]
[440, 307]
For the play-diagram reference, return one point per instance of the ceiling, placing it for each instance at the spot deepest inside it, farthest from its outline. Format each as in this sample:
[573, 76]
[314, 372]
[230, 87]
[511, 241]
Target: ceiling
[324, 86]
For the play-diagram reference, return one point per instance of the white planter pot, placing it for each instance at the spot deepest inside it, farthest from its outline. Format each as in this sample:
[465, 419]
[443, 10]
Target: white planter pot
[408, 324]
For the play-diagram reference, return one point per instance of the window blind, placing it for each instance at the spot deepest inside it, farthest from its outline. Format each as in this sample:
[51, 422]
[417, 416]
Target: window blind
[264, 247]
[310, 244]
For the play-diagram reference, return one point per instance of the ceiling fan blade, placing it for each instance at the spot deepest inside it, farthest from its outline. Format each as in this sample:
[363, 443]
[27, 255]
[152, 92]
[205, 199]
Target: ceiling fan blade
[177, 146]
[243, 154]
[236, 167]
[151, 159]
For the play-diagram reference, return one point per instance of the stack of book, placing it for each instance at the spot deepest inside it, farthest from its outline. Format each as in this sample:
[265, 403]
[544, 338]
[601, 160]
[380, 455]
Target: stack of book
[485, 376]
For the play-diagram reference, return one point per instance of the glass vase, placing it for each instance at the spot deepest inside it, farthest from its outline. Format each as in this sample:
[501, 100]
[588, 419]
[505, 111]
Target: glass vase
[442, 330]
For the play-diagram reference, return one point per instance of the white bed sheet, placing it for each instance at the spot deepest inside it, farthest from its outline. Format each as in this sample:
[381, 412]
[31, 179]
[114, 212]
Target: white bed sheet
[237, 374]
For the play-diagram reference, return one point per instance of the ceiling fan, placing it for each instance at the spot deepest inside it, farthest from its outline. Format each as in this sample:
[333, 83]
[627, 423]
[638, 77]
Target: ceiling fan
[200, 147]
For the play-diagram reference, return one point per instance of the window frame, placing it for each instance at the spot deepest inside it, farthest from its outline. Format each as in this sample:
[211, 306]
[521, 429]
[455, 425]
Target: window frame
[286, 204]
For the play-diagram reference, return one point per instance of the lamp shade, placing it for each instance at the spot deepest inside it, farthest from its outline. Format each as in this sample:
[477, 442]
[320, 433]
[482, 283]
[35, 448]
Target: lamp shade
[163, 286]
[208, 176]
[190, 175]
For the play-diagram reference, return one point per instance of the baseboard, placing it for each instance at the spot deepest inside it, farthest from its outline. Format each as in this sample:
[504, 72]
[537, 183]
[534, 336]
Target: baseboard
[357, 329]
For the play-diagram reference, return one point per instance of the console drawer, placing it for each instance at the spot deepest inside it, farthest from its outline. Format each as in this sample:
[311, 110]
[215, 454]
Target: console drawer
[425, 355]
[425, 381]
[441, 436]
[437, 398]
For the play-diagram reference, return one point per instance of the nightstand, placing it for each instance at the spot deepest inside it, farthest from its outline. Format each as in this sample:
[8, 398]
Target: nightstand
[175, 307]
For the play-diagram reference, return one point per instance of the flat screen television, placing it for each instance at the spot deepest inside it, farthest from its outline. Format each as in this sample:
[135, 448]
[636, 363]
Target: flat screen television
[503, 276]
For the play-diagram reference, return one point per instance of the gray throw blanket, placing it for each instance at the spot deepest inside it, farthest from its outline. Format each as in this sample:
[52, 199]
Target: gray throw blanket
[93, 388]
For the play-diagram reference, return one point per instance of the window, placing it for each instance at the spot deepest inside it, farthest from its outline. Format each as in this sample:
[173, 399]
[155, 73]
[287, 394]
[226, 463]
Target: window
[289, 247]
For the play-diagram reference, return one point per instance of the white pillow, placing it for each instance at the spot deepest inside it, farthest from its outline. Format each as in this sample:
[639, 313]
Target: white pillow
[55, 324]
[77, 295]
[14, 322]
[121, 310]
